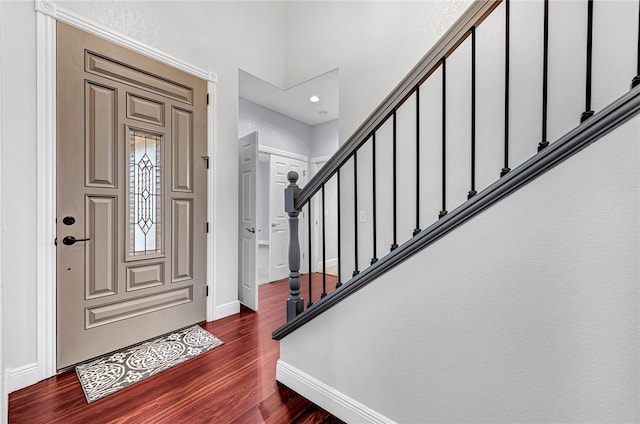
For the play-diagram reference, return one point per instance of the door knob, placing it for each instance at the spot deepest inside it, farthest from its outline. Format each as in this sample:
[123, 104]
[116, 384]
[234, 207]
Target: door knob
[251, 230]
[71, 240]
[275, 224]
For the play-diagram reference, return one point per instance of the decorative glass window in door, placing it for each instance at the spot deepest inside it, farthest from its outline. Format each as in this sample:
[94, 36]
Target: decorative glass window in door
[145, 193]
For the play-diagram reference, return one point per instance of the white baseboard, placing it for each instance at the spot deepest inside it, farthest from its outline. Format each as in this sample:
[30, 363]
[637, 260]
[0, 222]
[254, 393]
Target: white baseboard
[335, 402]
[21, 377]
[226, 309]
[332, 266]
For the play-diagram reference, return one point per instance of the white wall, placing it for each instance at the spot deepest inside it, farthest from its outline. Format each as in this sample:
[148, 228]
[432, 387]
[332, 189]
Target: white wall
[18, 64]
[374, 44]
[275, 129]
[527, 313]
[324, 139]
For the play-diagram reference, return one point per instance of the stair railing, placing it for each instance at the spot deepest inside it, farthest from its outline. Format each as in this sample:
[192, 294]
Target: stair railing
[436, 58]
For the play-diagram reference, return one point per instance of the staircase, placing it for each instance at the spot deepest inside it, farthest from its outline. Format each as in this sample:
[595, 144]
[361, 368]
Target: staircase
[528, 311]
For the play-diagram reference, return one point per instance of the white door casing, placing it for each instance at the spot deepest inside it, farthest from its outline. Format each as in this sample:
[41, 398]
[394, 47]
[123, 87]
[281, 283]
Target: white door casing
[247, 221]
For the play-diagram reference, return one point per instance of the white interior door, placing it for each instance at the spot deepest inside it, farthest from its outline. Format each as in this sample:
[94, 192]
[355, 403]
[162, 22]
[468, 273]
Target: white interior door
[278, 218]
[248, 237]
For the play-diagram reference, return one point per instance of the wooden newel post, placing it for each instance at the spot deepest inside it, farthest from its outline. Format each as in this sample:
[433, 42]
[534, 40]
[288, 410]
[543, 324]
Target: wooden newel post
[295, 303]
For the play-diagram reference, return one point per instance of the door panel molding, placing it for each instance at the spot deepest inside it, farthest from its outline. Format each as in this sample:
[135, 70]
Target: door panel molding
[100, 261]
[107, 314]
[101, 139]
[48, 14]
[108, 68]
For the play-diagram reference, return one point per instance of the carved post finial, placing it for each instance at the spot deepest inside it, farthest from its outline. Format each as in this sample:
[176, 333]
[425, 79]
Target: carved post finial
[292, 176]
[295, 303]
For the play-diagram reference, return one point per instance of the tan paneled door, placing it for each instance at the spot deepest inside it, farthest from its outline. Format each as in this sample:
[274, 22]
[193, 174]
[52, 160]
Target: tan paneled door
[131, 197]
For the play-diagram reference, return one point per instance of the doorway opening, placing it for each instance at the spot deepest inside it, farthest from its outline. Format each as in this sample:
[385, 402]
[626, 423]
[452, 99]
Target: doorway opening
[295, 129]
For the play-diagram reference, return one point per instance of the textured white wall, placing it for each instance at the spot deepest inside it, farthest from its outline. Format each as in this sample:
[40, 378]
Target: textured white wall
[527, 313]
[18, 165]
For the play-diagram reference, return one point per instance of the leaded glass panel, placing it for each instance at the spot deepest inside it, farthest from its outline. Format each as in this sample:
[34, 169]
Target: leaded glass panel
[145, 193]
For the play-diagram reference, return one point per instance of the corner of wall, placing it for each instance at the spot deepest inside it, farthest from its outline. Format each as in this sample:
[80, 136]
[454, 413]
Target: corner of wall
[4, 393]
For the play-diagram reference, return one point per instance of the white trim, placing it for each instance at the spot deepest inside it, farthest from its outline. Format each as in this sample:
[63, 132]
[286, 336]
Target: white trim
[331, 265]
[46, 166]
[320, 159]
[283, 153]
[334, 401]
[4, 391]
[23, 376]
[46, 197]
[51, 9]
[227, 309]
[212, 215]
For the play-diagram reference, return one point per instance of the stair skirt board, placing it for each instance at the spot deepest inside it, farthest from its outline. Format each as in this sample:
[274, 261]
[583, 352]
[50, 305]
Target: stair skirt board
[328, 398]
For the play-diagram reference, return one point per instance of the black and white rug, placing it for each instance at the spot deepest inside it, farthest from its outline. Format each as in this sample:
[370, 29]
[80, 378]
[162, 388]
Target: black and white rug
[118, 370]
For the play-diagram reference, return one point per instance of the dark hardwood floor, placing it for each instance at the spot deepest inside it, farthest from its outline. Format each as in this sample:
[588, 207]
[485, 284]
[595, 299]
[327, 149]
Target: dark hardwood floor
[234, 383]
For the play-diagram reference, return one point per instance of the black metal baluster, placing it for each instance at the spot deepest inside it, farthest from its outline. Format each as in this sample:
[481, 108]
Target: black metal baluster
[473, 191]
[443, 212]
[324, 250]
[373, 179]
[636, 80]
[394, 246]
[506, 168]
[355, 212]
[417, 229]
[339, 283]
[545, 72]
[588, 113]
[309, 253]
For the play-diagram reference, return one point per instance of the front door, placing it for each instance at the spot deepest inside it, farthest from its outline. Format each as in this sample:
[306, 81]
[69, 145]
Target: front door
[131, 197]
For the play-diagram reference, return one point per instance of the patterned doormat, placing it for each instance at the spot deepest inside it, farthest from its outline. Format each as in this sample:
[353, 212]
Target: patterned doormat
[118, 370]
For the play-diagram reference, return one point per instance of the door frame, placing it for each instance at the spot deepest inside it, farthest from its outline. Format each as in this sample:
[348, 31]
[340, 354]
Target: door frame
[46, 285]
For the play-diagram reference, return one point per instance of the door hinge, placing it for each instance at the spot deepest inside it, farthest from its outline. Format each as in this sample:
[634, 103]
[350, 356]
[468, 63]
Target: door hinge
[206, 158]
[207, 98]
[206, 228]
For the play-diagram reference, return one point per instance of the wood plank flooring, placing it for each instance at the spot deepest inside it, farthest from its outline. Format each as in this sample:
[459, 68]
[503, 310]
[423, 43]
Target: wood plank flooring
[234, 383]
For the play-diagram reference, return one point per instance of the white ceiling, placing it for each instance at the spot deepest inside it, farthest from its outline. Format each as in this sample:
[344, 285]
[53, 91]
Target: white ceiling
[294, 101]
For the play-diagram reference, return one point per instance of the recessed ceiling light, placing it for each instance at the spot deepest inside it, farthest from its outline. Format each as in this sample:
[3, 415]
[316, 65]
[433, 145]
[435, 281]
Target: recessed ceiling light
[314, 99]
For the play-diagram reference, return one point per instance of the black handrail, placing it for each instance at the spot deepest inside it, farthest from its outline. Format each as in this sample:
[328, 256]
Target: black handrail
[602, 123]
